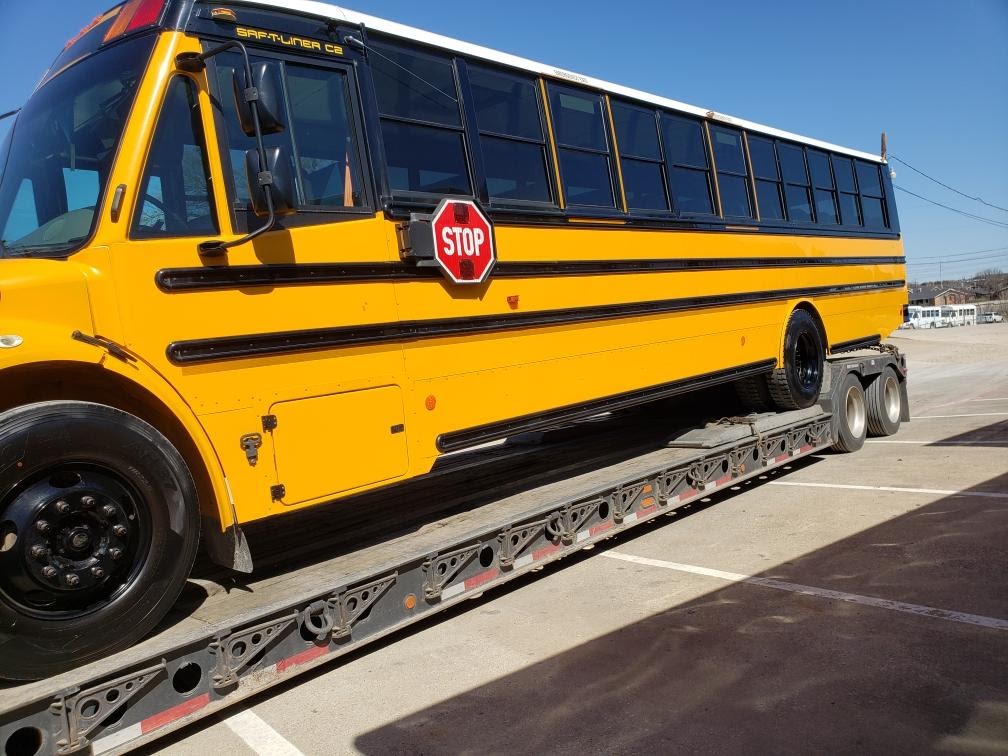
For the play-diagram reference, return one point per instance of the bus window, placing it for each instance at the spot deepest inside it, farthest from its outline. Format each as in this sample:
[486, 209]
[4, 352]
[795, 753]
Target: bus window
[582, 146]
[420, 121]
[850, 208]
[872, 202]
[511, 135]
[321, 137]
[689, 174]
[732, 175]
[796, 182]
[640, 157]
[174, 194]
[237, 141]
[769, 192]
[324, 141]
[822, 187]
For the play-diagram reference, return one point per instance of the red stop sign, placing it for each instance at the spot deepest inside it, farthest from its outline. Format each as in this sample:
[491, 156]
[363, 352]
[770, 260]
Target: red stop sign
[463, 241]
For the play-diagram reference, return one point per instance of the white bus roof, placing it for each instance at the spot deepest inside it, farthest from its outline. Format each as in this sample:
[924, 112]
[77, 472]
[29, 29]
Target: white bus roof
[335, 12]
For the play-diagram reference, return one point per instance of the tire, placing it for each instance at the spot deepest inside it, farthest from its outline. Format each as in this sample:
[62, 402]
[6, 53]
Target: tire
[885, 403]
[850, 416]
[797, 384]
[98, 531]
[754, 393]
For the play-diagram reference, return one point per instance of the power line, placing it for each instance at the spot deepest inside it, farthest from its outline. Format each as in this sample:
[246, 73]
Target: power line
[960, 254]
[980, 218]
[942, 183]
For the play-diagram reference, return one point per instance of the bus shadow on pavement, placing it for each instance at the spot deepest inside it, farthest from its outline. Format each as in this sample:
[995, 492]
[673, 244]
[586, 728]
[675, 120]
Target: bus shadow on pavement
[995, 434]
[751, 669]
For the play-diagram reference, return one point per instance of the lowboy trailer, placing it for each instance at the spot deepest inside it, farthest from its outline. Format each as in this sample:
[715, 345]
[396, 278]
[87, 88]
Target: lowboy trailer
[496, 514]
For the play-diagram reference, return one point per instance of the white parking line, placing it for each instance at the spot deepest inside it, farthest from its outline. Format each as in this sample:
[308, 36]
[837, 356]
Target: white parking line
[1003, 442]
[990, 399]
[895, 489]
[259, 736]
[970, 414]
[825, 593]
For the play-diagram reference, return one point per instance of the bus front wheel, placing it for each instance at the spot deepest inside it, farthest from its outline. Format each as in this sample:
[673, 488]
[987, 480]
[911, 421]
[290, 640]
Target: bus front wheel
[98, 532]
[796, 385]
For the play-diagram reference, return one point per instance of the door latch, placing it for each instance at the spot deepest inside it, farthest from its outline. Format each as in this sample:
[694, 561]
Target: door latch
[250, 444]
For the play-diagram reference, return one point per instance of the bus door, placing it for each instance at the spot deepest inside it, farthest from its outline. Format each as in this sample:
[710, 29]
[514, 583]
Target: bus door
[256, 338]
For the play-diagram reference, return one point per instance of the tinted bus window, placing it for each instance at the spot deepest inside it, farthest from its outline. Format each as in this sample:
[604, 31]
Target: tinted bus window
[823, 187]
[321, 136]
[732, 174]
[796, 182]
[850, 207]
[769, 192]
[420, 120]
[511, 135]
[579, 125]
[872, 200]
[640, 157]
[689, 174]
[324, 140]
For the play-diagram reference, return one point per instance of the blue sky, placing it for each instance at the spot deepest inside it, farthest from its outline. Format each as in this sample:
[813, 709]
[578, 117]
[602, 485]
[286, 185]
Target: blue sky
[932, 73]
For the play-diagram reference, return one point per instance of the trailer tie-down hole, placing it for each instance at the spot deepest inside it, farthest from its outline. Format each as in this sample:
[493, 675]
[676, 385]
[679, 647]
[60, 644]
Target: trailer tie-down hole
[486, 556]
[603, 510]
[187, 678]
[24, 742]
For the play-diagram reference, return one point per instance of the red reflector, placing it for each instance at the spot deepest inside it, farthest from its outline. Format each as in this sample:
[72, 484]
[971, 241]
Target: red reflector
[136, 14]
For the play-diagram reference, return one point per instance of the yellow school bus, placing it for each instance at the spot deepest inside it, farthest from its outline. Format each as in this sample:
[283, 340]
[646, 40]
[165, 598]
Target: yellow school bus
[225, 292]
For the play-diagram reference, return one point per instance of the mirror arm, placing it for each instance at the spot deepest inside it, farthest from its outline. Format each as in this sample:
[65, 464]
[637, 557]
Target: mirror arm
[195, 63]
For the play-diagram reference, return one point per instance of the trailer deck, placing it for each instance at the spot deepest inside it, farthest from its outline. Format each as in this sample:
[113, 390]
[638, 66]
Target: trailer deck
[480, 521]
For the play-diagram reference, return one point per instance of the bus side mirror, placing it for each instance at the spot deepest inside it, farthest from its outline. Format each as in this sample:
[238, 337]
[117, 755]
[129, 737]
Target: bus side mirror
[281, 181]
[266, 82]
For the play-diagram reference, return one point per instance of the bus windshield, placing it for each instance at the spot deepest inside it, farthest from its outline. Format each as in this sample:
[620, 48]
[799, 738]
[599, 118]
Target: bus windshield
[59, 152]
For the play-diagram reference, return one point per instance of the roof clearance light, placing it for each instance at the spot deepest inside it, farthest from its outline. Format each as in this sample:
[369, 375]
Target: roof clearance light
[136, 14]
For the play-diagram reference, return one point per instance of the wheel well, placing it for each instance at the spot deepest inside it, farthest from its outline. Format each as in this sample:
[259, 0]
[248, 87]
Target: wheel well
[71, 381]
[811, 310]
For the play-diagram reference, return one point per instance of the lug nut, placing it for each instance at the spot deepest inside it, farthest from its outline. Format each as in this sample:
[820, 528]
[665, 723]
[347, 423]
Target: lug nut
[62, 507]
[119, 531]
[108, 510]
[49, 572]
[72, 580]
[87, 502]
[98, 572]
[39, 552]
[116, 553]
[42, 526]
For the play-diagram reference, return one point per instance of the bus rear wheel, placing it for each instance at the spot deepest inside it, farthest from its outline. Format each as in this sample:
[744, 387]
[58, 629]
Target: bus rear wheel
[796, 385]
[98, 532]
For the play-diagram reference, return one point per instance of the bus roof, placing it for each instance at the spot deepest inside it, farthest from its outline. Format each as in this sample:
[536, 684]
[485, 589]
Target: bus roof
[335, 12]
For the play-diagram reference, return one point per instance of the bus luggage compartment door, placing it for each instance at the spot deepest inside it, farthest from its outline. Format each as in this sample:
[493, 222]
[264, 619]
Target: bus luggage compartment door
[325, 445]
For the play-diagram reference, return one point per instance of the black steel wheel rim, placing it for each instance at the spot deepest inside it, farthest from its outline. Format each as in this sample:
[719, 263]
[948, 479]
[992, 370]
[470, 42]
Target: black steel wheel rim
[73, 539]
[806, 362]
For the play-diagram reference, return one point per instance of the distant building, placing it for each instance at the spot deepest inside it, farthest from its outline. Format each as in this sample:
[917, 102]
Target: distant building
[932, 295]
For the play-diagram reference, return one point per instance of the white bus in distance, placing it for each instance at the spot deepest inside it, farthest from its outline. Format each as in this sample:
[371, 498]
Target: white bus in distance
[959, 315]
[925, 317]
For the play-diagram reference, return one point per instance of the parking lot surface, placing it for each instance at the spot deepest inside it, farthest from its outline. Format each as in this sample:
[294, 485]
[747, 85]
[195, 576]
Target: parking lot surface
[853, 603]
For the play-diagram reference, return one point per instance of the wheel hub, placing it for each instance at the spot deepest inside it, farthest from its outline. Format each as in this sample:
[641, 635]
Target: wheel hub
[76, 536]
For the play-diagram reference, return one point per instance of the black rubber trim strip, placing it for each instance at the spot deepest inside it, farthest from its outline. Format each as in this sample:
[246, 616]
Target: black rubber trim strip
[285, 342]
[862, 343]
[482, 434]
[241, 276]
